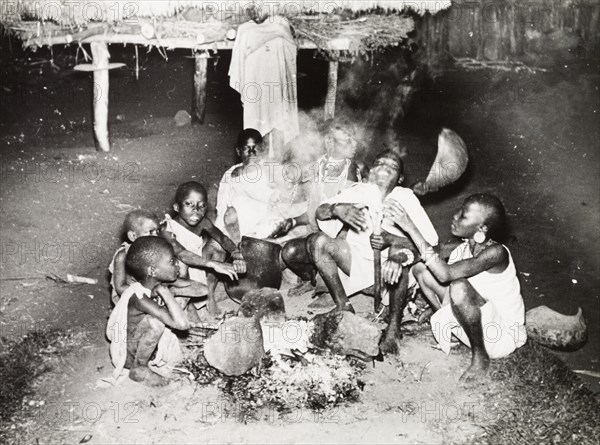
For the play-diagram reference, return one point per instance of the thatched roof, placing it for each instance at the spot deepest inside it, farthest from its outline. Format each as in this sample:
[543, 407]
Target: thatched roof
[69, 12]
[338, 25]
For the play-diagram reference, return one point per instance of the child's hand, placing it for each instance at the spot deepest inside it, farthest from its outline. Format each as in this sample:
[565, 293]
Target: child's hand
[391, 271]
[394, 211]
[161, 291]
[239, 264]
[377, 242]
[158, 290]
[224, 269]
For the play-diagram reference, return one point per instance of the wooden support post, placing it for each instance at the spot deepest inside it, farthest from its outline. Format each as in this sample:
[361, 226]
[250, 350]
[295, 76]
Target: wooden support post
[100, 56]
[200, 82]
[332, 81]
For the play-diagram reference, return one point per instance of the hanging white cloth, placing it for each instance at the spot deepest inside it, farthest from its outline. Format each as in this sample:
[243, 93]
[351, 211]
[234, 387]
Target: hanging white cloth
[263, 71]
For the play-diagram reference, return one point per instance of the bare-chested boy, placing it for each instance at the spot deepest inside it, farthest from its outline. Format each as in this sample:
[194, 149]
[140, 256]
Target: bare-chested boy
[146, 309]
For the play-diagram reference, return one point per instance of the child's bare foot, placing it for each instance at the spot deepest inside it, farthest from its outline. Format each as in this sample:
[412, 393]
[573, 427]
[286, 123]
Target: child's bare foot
[213, 308]
[391, 342]
[478, 369]
[144, 375]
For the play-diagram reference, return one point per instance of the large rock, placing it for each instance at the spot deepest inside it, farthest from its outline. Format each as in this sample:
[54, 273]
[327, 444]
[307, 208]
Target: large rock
[346, 333]
[263, 304]
[236, 347]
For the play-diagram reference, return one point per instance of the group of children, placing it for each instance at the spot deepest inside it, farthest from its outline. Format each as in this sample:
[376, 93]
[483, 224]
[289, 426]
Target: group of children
[172, 267]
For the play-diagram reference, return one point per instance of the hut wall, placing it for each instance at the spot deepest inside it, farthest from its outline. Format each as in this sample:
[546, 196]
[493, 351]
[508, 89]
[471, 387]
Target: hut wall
[500, 30]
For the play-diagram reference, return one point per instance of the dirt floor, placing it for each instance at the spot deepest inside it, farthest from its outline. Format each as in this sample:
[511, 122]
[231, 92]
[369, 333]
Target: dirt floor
[533, 140]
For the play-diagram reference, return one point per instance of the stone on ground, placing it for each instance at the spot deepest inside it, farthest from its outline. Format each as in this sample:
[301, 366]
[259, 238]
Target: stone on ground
[182, 118]
[236, 347]
[346, 333]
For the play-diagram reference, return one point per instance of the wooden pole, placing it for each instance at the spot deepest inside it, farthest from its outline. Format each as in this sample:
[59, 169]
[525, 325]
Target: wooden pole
[377, 265]
[200, 81]
[332, 81]
[100, 56]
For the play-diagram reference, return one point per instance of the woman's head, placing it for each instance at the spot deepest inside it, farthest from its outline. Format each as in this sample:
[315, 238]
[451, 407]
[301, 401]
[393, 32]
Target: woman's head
[340, 139]
[249, 145]
[191, 202]
[483, 213]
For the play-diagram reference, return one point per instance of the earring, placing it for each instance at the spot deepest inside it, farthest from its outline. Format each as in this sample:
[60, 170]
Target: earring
[479, 237]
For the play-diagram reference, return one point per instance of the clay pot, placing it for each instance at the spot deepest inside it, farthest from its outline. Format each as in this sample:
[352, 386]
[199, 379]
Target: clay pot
[263, 268]
[556, 330]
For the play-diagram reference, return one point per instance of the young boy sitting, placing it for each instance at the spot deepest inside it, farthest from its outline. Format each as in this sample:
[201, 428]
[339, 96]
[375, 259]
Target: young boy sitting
[141, 321]
[199, 243]
[137, 223]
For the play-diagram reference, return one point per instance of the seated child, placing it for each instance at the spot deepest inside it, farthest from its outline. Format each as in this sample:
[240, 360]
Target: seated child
[141, 321]
[137, 223]
[199, 244]
[478, 288]
[142, 223]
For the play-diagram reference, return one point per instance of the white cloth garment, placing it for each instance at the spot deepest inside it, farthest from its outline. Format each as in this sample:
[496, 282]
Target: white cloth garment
[190, 241]
[250, 195]
[224, 197]
[168, 350]
[263, 71]
[502, 317]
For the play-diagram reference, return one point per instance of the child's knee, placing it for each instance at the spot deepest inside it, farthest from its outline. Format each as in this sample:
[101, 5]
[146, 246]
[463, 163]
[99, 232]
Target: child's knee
[459, 290]
[230, 217]
[150, 327]
[419, 270]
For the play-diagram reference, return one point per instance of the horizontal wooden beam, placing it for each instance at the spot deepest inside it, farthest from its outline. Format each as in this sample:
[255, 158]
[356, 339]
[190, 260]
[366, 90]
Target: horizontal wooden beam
[340, 44]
